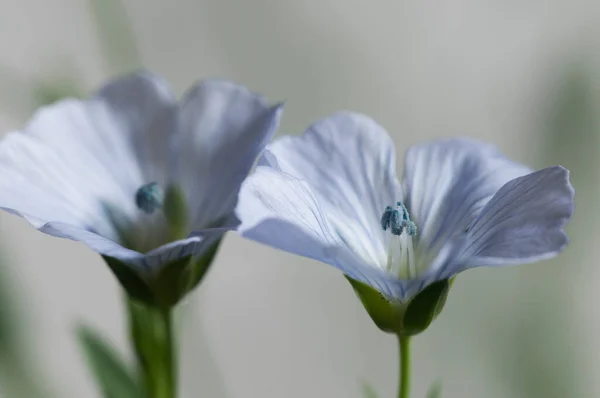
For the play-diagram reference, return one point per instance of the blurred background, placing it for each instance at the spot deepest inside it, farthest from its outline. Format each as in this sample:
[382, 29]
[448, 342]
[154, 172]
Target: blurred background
[524, 75]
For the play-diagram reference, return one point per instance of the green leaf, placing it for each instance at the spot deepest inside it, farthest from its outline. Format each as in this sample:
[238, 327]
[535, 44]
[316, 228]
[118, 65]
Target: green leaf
[435, 391]
[110, 373]
[368, 391]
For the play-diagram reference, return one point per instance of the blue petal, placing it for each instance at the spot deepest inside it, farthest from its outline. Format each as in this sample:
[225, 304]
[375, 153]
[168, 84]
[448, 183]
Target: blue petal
[132, 117]
[321, 195]
[223, 129]
[281, 211]
[150, 262]
[523, 222]
[349, 162]
[75, 157]
[144, 263]
[448, 182]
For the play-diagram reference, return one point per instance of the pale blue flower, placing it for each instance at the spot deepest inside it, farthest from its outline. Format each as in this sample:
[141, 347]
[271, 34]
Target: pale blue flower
[135, 174]
[332, 195]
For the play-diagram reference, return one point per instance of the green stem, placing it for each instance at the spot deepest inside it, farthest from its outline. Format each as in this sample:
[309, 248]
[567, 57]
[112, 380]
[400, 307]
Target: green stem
[404, 382]
[152, 337]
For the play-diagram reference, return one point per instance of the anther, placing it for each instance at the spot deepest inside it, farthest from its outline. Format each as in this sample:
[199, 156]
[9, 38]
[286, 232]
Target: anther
[398, 220]
[149, 197]
[386, 218]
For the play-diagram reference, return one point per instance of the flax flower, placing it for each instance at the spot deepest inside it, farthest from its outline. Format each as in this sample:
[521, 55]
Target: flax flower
[141, 178]
[332, 195]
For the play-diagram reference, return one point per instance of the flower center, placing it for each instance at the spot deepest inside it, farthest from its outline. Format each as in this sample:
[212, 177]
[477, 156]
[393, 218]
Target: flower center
[401, 258]
[149, 197]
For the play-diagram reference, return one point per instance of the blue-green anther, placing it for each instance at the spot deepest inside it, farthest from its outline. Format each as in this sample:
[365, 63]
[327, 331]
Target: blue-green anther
[398, 220]
[149, 197]
[397, 223]
[386, 217]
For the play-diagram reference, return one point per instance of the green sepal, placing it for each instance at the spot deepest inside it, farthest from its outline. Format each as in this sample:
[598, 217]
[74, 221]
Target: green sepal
[386, 314]
[111, 374]
[425, 307]
[131, 280]
[403, 318]
[180, 277]
[197, 271]
[167, 286]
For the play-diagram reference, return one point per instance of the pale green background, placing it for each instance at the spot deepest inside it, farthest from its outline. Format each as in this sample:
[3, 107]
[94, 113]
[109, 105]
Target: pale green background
[522, 74]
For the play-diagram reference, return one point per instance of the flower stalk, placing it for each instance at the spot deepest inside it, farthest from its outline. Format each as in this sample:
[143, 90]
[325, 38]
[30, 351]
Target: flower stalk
[404, 380]
[154, 345]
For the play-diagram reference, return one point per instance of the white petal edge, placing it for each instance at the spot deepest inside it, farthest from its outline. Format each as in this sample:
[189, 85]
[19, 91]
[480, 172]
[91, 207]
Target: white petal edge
[143, 263]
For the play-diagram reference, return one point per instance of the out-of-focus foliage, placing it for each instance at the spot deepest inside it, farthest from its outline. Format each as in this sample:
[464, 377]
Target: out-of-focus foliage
[547, 354]
[368, 391]
[21, 95]
[435, 391]
[116, 36]
[18, 377]
[112, 376]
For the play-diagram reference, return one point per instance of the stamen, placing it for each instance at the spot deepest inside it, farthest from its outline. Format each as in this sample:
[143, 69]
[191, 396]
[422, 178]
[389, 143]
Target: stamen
[397, 220]
[386, 218]
[400, 259]
[397, 223]
[149, 197]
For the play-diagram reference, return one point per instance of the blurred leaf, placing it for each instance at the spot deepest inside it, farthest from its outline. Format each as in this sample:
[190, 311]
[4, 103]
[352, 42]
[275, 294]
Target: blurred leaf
[7, 321]
[435, 391]
[368, 390]
[573, 141]
[546, 361]
[18, 376]
[114, 30]
[20, 96]
[110, 373]
[49, 91]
